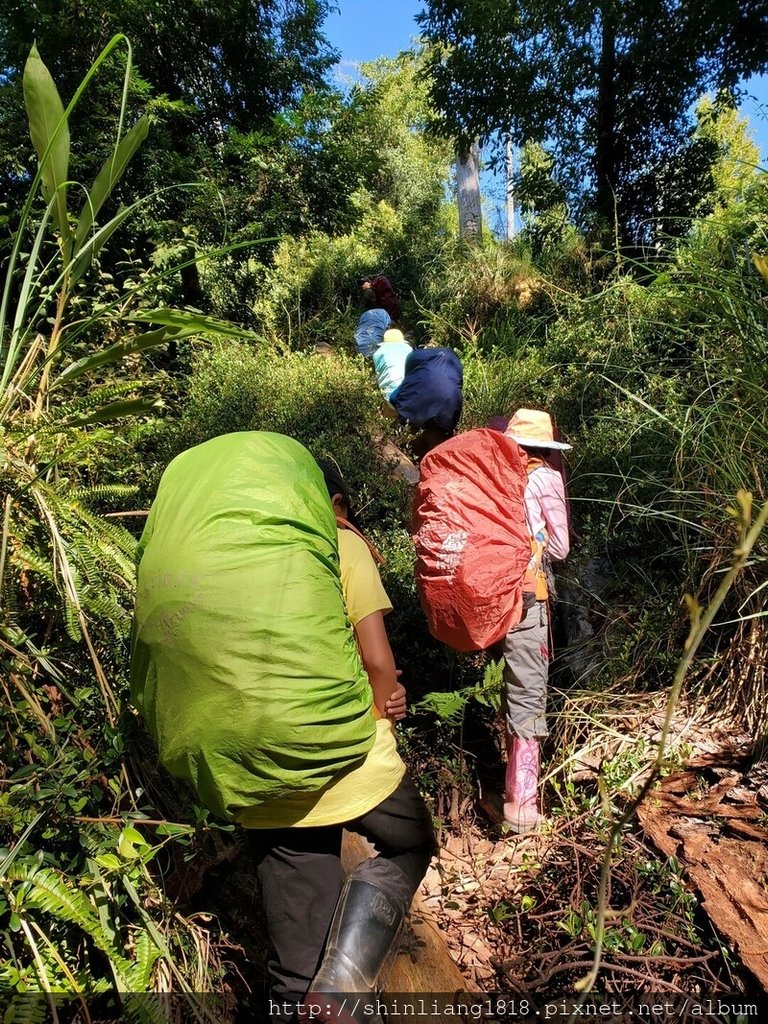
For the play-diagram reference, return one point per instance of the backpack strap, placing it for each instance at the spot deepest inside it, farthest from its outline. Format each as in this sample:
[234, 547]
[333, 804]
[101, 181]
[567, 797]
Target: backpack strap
[535, 575]
[344, 524]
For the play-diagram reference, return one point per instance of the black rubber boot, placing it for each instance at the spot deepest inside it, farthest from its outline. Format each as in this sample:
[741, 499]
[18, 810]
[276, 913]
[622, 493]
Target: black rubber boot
[363, 935]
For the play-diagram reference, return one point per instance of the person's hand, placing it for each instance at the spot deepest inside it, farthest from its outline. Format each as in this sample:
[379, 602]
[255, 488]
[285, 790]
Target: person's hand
[397, 705]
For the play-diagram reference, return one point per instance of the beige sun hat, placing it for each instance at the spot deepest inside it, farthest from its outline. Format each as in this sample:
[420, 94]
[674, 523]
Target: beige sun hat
[533, 429]
[393, 334]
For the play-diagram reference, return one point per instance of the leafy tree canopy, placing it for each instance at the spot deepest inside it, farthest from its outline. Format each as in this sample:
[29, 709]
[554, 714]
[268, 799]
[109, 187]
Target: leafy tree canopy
[608, 85]
[202, 70]
[237, 103]
[235, 62]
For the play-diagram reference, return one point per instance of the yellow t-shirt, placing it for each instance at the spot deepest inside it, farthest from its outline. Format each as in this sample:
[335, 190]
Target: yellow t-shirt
[360, 789]
[364, 592]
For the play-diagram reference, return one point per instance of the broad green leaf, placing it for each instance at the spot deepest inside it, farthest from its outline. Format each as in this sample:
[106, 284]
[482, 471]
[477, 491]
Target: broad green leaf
[136, 343]
[26, 212]
[109, 861]
[197, 323]
[49, 131]
[134, 836]
[114, 411]
[108, 176]
[93, 246]
[126, 848]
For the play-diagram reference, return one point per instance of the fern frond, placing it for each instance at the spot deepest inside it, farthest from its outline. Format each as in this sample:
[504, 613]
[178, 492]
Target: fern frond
[71, 619]
[89, 537]
[146, 955]
[99, 604]
[52, 893]
[25, 558]
[27, 1008]
[447, 706]
[83, 448]
[80, 517]
[103, 395]
[103, 492]
[49, 891]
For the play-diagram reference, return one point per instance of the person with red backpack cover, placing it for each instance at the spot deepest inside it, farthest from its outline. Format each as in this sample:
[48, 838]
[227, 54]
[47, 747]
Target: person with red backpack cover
[526, 644]
[489, 511]
[472, 546]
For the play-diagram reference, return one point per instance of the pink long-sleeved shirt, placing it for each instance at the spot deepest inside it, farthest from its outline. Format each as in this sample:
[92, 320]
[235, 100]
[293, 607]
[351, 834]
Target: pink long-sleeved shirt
[545, 510]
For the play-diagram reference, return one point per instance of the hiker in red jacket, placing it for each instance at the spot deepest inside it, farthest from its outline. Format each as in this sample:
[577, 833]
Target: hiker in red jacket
[526, 645]
[379, 292]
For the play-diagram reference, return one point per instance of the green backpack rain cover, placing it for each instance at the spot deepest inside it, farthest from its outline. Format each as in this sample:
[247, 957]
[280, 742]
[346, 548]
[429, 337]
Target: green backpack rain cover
[244, 662]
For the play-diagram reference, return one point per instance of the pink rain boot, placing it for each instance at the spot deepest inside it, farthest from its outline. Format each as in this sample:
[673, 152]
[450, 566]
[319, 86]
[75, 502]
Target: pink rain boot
[521, 785]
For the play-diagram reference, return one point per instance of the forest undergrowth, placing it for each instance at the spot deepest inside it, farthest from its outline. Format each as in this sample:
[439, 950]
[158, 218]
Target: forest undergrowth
[111, 876]
[520, 913]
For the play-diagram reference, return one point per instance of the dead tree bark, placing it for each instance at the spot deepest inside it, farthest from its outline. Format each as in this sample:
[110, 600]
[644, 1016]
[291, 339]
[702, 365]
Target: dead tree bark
[468, 190]
[605, 150]
[510, 191]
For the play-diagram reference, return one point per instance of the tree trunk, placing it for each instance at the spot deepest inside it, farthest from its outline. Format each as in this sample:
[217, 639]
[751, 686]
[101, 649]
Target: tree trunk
[468, 188]
[510, 177]
[605, 150]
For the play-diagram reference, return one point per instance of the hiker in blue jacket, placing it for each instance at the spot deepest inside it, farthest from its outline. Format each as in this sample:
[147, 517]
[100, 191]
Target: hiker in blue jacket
[430, 396]
[371, 326]
[382, 309]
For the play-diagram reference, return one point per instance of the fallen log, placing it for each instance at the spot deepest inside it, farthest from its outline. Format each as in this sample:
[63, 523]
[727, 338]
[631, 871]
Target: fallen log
[728, 873]
[400, 466]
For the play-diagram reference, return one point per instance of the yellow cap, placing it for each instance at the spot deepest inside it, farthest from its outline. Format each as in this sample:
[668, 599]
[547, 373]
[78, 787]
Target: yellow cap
[533, 428]
[393, 334]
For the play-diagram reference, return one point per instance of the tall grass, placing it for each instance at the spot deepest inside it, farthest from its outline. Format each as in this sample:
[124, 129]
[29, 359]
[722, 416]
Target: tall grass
[720, 436]
[74, 883]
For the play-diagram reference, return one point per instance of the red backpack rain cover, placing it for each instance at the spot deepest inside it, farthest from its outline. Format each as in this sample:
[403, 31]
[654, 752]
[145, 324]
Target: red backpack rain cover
[472, 542]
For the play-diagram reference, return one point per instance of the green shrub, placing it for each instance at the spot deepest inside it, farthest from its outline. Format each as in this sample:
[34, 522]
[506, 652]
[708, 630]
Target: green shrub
[330, 404]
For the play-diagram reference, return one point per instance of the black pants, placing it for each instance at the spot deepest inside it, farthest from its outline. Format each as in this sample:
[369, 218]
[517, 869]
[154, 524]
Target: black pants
[300, 876]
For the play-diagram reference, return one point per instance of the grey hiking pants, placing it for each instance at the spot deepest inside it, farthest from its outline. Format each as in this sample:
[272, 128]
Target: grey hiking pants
[300, 878]
[526, 669]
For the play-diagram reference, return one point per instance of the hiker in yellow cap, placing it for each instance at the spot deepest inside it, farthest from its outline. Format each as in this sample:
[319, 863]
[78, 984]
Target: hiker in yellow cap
[389, 361]
[526, 645]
